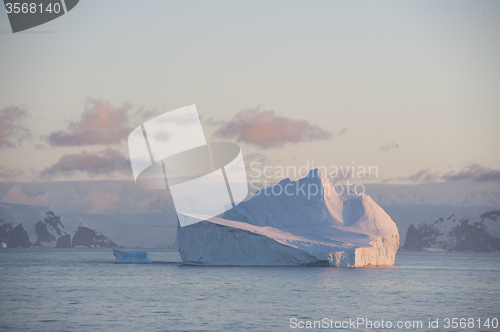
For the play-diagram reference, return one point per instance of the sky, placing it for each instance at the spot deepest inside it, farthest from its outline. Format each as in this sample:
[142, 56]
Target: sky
[409, 87]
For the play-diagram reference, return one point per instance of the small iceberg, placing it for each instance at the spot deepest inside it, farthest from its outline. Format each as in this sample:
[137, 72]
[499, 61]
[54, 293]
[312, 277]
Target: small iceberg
[131, 256]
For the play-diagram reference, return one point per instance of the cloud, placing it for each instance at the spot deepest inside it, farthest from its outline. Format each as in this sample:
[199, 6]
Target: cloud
[424, 175]
[475, 173]
[16, 195]
[99, 201]
[342, 131]
[10, 174]
[12, 130]
[145, 114]
[100, 123]
[102, 162]
[257, 159]
[266, 129]
[94, 201]
[389, 146]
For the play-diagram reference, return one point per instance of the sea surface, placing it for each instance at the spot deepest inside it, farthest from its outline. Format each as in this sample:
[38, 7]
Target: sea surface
[85, 290]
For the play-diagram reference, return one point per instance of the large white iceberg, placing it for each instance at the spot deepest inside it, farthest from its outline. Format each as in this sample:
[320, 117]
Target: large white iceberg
[130, 256]
[293, 224]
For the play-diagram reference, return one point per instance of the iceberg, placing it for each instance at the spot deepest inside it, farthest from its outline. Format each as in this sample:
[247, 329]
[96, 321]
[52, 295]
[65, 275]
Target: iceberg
[308, 222]
[130, 256]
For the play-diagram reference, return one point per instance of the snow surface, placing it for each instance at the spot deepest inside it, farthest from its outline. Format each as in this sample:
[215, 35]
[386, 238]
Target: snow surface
[131, 256]
[329, 228]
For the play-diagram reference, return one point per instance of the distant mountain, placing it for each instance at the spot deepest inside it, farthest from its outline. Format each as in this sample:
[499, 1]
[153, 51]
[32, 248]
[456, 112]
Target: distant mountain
[49, 230]
[457, 233]
[25, 218]
[19, 227]
[46, 228]
[14, 237]
[405, 215]
[135, 217]
[89, 238]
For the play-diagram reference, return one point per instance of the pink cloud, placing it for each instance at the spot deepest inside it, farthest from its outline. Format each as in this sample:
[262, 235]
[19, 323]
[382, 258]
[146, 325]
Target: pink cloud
[99, 201]
[269, 130]
[12, 130]
[102, 162]
[100, 123]
[15, 195]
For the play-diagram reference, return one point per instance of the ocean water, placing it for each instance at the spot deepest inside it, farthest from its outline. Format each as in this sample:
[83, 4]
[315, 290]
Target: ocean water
[84, 290]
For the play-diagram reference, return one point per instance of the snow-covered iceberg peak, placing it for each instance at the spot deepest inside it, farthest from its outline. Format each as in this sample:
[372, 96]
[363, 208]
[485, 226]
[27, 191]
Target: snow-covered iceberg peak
[314, 200]
[305, 222]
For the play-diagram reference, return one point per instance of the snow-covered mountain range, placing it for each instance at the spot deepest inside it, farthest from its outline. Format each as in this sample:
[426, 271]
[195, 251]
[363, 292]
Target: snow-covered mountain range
[132, 217]
[457, 232]
[31, 225]
[26, 226]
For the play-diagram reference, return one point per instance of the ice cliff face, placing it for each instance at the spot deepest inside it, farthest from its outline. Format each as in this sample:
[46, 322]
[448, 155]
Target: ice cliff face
[306, 222]
[465, 232]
